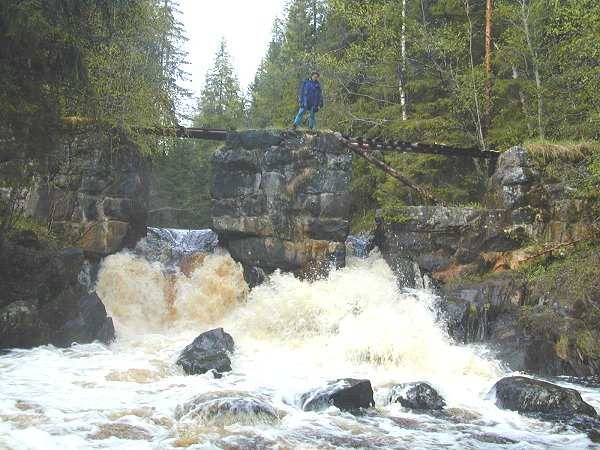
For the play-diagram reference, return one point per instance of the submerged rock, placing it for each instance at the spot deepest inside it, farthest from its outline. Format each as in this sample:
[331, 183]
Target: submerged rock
[418, 395]
[527, 395]
[209, 351]
[227, 407]
[347, 394]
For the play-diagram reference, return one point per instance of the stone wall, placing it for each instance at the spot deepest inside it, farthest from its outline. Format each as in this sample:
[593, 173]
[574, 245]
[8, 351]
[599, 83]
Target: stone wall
[281, 200]
[96, 193]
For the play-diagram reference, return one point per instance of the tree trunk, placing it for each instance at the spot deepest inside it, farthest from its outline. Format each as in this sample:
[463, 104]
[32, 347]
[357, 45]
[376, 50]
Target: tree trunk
[489, 12]
[536, 70]
[402, 75]
[515, 75]
[477, 118]
[368, 155]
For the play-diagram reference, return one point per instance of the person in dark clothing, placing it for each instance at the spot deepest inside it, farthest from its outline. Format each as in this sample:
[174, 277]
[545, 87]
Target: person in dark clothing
[310, 99]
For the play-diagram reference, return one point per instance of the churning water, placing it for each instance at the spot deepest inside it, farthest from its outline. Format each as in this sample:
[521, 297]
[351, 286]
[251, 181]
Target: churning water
[290, 336]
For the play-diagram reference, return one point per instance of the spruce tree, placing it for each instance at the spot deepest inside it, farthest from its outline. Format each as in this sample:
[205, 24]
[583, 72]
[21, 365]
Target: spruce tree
[221, 102]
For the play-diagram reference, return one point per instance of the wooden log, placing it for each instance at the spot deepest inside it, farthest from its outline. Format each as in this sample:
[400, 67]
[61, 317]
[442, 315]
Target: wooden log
[367, 154]
[209, 134]
[217, 134]
[432, 149]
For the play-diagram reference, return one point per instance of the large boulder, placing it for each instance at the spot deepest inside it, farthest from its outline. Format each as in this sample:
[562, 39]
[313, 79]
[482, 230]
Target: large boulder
[418, 396]
[527, 395]
[226, 408]
[347, 394]
[209, 351]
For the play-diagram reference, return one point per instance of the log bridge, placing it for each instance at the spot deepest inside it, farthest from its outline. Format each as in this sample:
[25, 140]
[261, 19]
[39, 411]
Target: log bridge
[376, 144]
[366, 148]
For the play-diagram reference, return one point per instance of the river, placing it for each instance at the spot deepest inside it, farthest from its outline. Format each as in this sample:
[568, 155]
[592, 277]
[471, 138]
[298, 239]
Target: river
[290, 336]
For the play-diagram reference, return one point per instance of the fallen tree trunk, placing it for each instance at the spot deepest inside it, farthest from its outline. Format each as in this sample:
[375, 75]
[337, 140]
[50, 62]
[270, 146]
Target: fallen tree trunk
[419, 147]
[368, 155]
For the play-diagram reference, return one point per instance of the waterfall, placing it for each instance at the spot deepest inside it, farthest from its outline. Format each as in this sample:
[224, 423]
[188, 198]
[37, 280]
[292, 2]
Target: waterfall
[290, 335]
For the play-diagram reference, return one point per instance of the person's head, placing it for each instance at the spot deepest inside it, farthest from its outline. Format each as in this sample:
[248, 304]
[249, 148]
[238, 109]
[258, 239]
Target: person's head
[315, 76]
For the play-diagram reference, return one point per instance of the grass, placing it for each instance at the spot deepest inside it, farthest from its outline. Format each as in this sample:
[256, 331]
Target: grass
[564, 150]
[363, 222]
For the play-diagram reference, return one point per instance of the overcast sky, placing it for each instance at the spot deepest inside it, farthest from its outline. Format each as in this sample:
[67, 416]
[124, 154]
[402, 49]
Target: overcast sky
[245, 24]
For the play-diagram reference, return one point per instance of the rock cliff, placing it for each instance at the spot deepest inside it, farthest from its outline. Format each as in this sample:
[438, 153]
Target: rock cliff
[473, 255]
[281, 201]
[96, 193]
[94, 196]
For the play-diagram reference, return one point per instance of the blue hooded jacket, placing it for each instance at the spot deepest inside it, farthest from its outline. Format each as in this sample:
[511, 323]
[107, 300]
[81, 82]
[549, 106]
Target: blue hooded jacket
[311, 95]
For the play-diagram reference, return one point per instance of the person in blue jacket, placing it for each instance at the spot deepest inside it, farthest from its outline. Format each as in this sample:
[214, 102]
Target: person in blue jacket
[310, 99]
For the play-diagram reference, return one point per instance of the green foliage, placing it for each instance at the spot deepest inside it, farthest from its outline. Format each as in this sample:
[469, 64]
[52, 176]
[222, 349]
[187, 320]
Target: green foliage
[113, 62]
[116, 63]
[571, 281]
[25, 226]
[182, 176]
[221, 103]
[363, 222]
[181, 184]
[545, 81]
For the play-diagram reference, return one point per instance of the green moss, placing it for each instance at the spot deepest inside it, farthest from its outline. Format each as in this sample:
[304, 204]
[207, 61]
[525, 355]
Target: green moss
[397, 218]
[561, 347]
[588, 343]
[547, 324]
[466, 281]
[36, 229]
[570, 276]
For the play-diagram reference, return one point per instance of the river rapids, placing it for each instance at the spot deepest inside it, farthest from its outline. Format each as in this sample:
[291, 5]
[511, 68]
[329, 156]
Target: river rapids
[290, 336]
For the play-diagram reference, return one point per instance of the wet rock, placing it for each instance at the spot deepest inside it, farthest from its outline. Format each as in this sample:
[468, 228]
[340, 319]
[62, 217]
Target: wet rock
[254, 276]
[360, 245]
[347, 394]
[226, 408]
[527, 395]
[418, 396]
[494, 439]
[92, 323]
[44, 302]
[209, 351]
[120, 431]
[487, 310]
